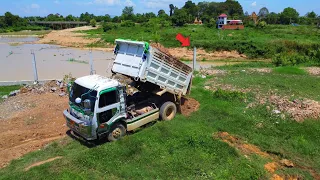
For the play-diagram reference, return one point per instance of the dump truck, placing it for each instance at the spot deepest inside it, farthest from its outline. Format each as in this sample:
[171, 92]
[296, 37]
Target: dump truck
[147, 85]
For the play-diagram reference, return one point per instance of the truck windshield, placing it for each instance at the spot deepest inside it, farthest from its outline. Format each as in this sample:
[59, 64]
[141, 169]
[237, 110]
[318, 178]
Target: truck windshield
[78, 91]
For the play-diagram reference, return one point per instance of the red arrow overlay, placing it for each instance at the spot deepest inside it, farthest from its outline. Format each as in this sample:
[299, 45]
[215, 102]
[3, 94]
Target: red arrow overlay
[185, 41]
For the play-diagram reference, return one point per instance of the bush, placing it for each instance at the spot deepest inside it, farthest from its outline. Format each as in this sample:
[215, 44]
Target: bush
[127, 23]
[262, 24]
[212, 23]
[229, 95]
[93, 22]
[285, 59]
[108, 26]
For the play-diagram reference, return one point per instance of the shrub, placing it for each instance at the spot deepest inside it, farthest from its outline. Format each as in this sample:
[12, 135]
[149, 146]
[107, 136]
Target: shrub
[212, 23]
[93, 22]
[286, 59]
[229, 95]
[127, 23]
[108, 26]
[262, 24]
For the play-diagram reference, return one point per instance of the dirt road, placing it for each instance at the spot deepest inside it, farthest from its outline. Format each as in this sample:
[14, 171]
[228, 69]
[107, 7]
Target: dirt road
[28, 122]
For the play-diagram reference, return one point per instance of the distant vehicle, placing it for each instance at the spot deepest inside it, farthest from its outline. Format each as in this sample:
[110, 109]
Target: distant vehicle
[147, 85]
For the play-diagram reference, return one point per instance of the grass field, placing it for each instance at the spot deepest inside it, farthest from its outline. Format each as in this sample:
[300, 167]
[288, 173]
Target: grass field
[255, 43]
[27, 33]
[184, 148]
[5, 90]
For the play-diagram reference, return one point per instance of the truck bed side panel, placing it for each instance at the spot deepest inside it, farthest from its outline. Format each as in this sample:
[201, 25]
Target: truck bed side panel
[172, 75]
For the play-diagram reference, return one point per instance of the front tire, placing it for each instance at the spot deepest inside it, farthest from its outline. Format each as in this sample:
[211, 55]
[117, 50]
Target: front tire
[168, 111]
[117, 132]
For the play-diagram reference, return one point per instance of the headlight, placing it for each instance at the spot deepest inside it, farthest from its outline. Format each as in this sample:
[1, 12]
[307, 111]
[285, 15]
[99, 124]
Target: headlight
[87, 104]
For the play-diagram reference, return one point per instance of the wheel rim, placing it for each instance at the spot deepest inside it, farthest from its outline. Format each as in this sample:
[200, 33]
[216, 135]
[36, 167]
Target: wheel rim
[170, 112]
[116, 133]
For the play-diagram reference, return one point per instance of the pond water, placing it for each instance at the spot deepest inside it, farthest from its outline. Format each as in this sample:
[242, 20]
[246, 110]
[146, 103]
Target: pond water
[53, 62]
[14, 39]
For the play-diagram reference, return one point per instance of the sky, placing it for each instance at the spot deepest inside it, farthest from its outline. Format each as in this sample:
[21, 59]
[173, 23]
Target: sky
[114, 7]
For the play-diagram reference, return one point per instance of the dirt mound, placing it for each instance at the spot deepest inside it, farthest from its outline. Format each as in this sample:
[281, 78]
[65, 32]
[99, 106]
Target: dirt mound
[188, 106]
[161, 48]
[299, 110]
[184, 53]
[42, 162]
[314, 70]
[37, 121]
[68, 37]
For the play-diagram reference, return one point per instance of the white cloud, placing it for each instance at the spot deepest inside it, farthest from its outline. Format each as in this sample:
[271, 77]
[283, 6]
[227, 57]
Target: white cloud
[160, 4]
[129, 3]
[254, 4]
[34, 6]
[107, 2]
[56, 2]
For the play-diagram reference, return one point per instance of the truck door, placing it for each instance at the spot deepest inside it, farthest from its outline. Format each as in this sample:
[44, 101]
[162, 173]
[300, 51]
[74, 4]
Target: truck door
[108, 108]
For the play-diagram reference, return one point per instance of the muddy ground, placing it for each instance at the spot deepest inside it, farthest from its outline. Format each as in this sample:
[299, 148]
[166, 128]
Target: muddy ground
[28, 122]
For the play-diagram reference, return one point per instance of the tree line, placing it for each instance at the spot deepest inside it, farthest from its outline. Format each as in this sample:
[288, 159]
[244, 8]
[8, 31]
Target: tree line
[207, 12]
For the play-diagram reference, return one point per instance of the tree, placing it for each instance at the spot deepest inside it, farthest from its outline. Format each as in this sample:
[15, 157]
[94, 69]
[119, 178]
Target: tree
[116, 19]
[191, 8]
[246, 14]
[263, 13]
[10, 19]
[70, 18]
[171, 6]
[180, 17]
[107, 18]
[127, 13]
[93, 22]
[312, 15]
[86, 17]
[289, 15]
[272, 18]
[232, 8]
[162, 14]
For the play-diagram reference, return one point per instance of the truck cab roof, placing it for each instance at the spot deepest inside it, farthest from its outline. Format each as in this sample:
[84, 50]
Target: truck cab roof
[96, 82]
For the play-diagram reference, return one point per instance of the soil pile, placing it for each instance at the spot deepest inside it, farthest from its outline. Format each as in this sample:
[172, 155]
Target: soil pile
[313, 71]
[299, 110]
[188, 106]
[184, 53]
[31, 121]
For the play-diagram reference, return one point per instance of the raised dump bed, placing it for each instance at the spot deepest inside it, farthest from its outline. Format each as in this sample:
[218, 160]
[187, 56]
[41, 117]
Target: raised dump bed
[148, 64]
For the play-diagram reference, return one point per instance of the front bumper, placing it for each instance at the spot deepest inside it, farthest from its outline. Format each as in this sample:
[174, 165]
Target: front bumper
[82, 128]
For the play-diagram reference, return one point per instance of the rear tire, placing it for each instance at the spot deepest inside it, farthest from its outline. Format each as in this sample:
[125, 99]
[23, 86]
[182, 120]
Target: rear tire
[117, 132]
[168, 111]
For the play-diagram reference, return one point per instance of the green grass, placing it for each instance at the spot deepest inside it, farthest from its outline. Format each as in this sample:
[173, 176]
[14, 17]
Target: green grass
[27, 33]
[255, 43]
[5, 90]
[184, 147]
[289, 81]
[290, 70]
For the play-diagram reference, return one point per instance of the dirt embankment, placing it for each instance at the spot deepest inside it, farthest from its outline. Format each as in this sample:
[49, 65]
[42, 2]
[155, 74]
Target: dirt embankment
[69, 37]
[29, 121]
